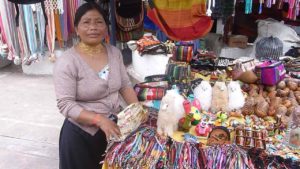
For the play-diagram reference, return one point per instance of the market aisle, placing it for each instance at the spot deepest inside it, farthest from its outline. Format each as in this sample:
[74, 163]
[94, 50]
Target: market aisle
[30, 122]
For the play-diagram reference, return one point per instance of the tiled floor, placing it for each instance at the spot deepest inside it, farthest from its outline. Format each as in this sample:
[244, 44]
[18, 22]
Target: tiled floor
[29, 120]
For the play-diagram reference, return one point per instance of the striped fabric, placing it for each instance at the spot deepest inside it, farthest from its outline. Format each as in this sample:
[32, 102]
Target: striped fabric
[183, 53]
[180, 20]
[151, 90]
[124, 36]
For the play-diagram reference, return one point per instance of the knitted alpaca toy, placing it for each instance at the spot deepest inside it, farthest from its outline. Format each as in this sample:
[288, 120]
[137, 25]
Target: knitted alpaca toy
[171, 110]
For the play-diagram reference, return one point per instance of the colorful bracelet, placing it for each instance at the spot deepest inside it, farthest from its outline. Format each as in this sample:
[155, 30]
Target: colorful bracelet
[95, 119]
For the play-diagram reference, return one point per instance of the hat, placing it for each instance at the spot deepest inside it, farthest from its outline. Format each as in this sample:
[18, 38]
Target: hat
[269, 48]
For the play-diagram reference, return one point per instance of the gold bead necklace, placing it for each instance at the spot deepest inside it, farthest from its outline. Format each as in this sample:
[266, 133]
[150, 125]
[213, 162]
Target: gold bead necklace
[91, 50]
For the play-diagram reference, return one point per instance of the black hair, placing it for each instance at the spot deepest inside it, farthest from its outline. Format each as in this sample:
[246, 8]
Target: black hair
[83, 9]
[221, 128]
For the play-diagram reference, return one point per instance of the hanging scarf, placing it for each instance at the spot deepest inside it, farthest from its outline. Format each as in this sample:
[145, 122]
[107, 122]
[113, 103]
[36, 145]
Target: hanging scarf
[296, 8]
[41, 29]
[25, 53]
[248, 6]
[8, 23]
[260, 6]
[50, 29]
[58, 29]
[280, 4]
[291, 9]
[30, 32]
[3, 36]
[64, 21]
[268, 3]
[180, 20]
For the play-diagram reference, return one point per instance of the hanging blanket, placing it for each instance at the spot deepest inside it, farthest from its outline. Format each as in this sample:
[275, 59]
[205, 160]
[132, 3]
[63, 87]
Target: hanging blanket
[180, 20]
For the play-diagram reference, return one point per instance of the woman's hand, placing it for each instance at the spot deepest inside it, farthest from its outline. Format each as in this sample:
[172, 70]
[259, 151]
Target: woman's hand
[109, 127]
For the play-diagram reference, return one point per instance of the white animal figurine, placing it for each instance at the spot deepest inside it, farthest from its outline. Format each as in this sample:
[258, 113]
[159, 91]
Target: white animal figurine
[219, 100]
[236, 99]
[203, 92]
[170, 112]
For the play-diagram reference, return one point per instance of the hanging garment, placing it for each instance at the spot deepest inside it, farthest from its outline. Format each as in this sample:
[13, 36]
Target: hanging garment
[223, 9]
[6, 12]
[3, 45]
[16, 2]
[248, 6]
[24, 49]
[180, 20]
[30, 33]
[2, 31]
[41, 30]
[292, 4]
[58, 29]
[50, 32]
[50, 28]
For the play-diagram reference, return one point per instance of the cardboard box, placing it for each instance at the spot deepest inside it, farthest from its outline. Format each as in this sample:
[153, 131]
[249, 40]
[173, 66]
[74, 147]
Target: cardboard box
[239, 41]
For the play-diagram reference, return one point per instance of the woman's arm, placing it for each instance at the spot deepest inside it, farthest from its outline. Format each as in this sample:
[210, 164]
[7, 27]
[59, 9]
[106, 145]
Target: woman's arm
[90, 118]
[129, 95]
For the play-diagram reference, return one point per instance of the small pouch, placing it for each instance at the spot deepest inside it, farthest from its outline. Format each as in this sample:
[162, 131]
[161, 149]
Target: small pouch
[130, 119]
[270, 72]
[183, 51]
[178, 71]
[155, 49]
[157, 78]
[223, 63]
[151, 90]
[150, 45]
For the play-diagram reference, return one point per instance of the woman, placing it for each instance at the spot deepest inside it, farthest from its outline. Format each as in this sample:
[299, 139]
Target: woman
[218, 136]
[89, 79]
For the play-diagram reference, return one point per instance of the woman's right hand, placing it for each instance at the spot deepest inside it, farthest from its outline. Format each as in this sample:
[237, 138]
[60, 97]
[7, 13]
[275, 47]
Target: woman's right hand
[109, 127]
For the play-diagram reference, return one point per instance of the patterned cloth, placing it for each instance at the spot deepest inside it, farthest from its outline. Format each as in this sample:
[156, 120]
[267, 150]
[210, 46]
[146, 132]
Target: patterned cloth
[180, 20]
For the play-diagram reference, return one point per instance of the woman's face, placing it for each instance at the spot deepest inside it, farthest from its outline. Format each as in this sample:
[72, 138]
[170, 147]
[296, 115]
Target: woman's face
[218, 136]
[91, 28]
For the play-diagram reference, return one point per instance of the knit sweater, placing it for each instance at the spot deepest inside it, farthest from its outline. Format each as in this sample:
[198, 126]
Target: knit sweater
[79, 87]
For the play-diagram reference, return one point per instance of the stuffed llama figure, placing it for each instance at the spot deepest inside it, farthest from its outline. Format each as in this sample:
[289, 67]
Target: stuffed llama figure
[203, 92]
[236, 99]
[170, 112]
[219, 97]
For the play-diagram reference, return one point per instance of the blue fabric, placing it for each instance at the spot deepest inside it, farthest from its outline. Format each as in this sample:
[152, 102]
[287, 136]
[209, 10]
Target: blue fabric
[148, 24]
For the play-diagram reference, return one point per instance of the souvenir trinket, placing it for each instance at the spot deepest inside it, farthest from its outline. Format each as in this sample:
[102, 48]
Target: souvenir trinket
[293, 132]
[239, 141]
[203, 129]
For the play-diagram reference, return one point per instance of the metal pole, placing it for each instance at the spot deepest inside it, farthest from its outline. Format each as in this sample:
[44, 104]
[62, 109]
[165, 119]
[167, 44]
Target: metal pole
[113, 23]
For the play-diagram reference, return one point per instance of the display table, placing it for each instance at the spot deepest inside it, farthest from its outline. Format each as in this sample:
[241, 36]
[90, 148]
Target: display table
[145, 149]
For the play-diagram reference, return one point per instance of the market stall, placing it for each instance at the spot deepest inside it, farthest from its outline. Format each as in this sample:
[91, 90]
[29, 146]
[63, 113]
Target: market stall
[207, 111]
[199, 107]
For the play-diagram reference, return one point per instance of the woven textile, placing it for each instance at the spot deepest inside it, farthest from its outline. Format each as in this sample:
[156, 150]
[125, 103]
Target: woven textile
[180, 20]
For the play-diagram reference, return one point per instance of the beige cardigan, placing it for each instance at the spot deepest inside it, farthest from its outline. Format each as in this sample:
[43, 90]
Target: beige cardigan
[79, 87]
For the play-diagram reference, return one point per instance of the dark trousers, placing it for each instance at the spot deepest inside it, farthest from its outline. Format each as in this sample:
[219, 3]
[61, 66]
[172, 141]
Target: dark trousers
[80, 150]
